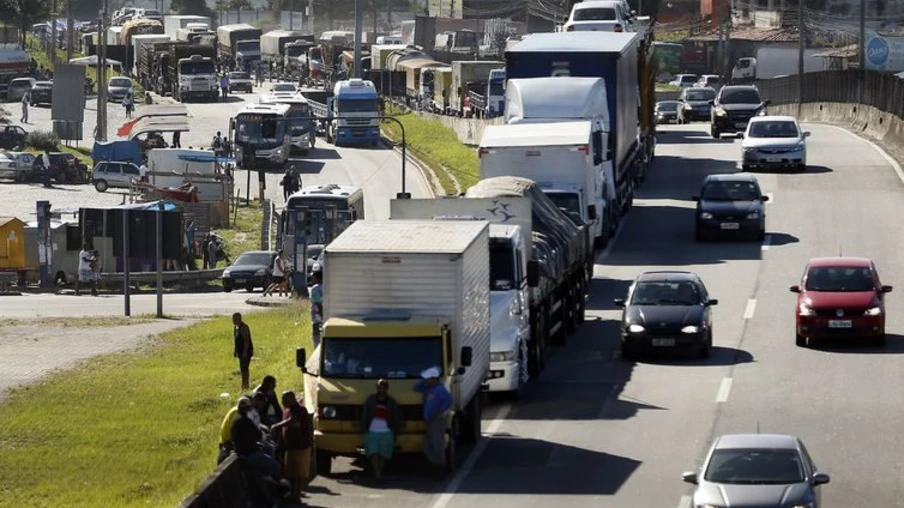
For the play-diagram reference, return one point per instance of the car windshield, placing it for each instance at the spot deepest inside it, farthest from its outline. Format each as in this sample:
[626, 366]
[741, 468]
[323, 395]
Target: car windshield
[840, 279]
[238, 75]
[595, 14]
[283, 87]
[666, 293]
[20, 83]
[700, 95]
[774, 129]
[253, 259]
[730, 191]
[121, 82]
[667, 106]
[755, 467]
[375, 358]
[740, 97]
[192, 67]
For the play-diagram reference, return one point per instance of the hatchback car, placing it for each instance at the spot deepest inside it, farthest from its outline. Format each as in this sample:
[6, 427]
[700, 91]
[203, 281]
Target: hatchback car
[730, 204]
[250, 270]
[709, 81]
[114, 174]
[12, 137]
[42, 93]
[757, 470]
[840, 297]
[666, 310]
[696, 104]
[19, 87]
[599, 16]
[118, 88]
[684, 80]
[774, 142]
[16, 165]
[666, 111]
[733, 108]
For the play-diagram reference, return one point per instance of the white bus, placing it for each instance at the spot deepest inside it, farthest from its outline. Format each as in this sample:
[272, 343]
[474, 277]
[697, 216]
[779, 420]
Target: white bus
[302, 127]
[261, 135]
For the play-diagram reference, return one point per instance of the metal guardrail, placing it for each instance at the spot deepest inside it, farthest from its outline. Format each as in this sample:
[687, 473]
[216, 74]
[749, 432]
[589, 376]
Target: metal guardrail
[177, 276]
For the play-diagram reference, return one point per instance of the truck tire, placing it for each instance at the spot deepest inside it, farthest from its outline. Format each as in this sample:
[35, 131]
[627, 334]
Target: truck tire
[570, 311]
[558, 338]
[324, 462]
[537, 345]
[470, 431]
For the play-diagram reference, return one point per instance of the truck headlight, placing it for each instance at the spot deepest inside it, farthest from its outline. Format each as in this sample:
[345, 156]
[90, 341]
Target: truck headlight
[502, 356]
[690, 329]
[327, 412]
[875, 311]
[706, 215]
[635, 329]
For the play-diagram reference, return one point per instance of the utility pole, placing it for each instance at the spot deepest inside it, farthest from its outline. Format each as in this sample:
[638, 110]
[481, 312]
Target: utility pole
[373, 5]
[862, 51]
[801, 47]
[101, 29]
[70, 28]
[53, 36]
[719, 18]
[726, 49]
[359, 18]
[102, 82]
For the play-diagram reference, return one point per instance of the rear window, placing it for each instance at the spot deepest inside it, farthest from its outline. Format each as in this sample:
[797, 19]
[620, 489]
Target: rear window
[740, 96]
[595, 14]
[20, 83]
[121, 82]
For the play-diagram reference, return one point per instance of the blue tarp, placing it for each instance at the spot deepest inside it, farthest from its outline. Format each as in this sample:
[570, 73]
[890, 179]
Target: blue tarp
[129, 151]
[206, 158]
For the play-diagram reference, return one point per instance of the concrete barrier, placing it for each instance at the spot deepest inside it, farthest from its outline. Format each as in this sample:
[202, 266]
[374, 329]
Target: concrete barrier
[468, 130]
[223, 488]
[182, 276]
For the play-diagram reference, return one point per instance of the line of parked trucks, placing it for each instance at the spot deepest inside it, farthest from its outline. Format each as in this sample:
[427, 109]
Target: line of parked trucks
[479, 286]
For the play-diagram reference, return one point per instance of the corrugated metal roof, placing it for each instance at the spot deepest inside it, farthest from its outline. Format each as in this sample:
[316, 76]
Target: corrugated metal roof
[753, 34]
[400, 236]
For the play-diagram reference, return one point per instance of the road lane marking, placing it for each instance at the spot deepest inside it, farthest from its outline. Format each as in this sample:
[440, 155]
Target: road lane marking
[684, 502]
[724, 391]
[766, 241]
[601, 257]
[751, 309]
[446, 497]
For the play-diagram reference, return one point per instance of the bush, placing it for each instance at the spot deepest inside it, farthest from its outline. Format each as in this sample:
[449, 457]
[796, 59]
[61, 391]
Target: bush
[43, 140]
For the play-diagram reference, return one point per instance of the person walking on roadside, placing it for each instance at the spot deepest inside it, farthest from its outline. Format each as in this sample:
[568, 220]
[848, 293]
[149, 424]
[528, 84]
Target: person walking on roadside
[47, 173]
[437, 402]
[213, 252]
[298, 438]
[278, 278]
[85, 273]
[224, 85]
[26, 97]
[177, 139]
[380, 420]
[128, 102]
[287, 183]
[316, 307]
[243, 347]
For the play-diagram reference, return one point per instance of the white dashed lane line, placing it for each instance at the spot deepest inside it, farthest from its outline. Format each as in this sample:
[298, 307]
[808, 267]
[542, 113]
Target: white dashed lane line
[751, 309]
[685, 502]
[724, 391]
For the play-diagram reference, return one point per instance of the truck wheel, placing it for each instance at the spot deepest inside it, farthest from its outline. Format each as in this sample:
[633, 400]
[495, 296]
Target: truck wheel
[537, 346]
[601, 242]
[558, 338]
[714, 132]
[581, 310]
[569, 311]
[324, 462]
[473, 415]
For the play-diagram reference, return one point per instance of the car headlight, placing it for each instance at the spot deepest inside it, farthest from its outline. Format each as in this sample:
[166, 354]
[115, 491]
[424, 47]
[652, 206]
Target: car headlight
[762, 113]
[688, 106]
[804, 505]
[690, 329]
[327, 412]
[875, 311]
[720, 112]
[798, 148]
[753, 215]
[227, 273]
[262, 271]
[635, 329]
[706, 215]
[806, 311]
[502, 356]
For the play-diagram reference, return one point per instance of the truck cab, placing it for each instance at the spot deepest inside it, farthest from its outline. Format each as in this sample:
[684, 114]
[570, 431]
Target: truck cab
[488, 99]
[247, 53]
[355, 110]
[197, 77]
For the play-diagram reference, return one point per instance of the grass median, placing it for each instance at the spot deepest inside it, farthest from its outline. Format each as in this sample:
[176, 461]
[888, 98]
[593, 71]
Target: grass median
[139, 428]
[245, 231]
[437, 146]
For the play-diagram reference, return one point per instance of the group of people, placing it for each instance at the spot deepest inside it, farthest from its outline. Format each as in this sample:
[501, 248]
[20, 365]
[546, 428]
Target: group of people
[272, 441]
[291, 182]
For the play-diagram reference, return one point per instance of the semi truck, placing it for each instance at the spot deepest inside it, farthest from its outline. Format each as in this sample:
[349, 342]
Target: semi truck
[470, 75]
[141, 43]
[352, 113]
[559, 262]
[16, 63]
[273, 44]
[561, 157]
[400, 297]
[239, 45]
[173, 23]
[191, 70]
[488, 99]
[294, 56]
[510, 253]
[624, 60]
[546, 100]
[139, 27]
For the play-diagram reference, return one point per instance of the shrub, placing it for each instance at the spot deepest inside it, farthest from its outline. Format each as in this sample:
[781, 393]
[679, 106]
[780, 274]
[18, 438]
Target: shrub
[43, 140]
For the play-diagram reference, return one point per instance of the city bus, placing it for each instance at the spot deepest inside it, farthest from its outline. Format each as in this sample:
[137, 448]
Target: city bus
[302, 127]
[316, 215]
[261, 136]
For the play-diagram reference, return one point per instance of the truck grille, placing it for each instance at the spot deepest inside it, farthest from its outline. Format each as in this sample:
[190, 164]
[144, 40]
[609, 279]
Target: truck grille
[358, 122]
[354, 413]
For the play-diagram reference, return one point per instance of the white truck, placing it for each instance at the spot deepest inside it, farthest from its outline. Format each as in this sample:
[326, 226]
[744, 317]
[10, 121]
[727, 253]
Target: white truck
[773, 62]
[510, 253]
[470, 76]
[174, 167]
[541, 101]
[558, 156]
[140, 43]
[114, 33]
[172, 23]
[400, 297]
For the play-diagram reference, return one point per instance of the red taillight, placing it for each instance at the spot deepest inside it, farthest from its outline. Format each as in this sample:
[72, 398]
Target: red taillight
[584, 149]
[569, 28]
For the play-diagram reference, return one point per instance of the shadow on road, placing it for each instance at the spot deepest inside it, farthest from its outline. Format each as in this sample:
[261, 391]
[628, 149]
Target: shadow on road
[683, 137]
[894, 345]
[680, 178]
[779, 239]
[720, 356]
[307, 167]
[811, 170]
[323, 152]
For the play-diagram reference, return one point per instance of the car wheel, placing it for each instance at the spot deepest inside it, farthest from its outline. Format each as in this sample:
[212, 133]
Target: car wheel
[706, 347]
[745, 167]
[227, 289]
[801, 341]
[249, 288]
[880, 340]
[101, 185]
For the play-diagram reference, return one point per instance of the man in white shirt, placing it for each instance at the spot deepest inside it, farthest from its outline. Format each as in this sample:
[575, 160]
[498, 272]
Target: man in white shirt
[143, 173]
[45, 158]
[85, 273]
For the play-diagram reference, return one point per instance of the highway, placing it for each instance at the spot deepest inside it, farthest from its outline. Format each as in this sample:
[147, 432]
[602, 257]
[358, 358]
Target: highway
[598, 431]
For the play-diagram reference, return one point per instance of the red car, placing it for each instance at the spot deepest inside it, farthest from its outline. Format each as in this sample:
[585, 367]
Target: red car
[840, 297]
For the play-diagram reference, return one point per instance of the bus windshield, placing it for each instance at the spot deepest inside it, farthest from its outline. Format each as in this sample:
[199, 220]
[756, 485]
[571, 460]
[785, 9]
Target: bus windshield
[357, 105]
[258, 129]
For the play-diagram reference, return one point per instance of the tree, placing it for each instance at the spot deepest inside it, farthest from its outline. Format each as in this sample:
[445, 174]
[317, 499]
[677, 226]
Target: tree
[238, 5]
[191, 7]
[24, 13]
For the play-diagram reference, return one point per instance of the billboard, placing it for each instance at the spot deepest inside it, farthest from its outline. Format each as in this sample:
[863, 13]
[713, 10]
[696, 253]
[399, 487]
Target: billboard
[68, 105]
[884, 53]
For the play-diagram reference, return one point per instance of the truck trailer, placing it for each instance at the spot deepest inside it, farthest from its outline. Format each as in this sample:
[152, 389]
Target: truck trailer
[172, 23]
[400, 297]
[239, 45]
[273, 44]
[468, 76]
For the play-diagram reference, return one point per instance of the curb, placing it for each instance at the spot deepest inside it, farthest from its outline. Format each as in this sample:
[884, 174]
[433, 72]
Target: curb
[259, 301]
[426, 171]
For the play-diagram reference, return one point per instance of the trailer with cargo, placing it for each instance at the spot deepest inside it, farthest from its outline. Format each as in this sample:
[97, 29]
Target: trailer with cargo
[273, 44]
[624, 60]
[141, 43]
[191, 71]
[350, 116]
[139, 27]
[172, 23]
[401, 298]
[239, 44]
[467, 76]
[295, 56]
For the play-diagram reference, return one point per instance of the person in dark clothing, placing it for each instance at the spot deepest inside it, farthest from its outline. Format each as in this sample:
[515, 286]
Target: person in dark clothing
[272, 413]
[244, 347]
[286, 183]
[177, 139]
[205, 255]
[298, 436]
[246, 436]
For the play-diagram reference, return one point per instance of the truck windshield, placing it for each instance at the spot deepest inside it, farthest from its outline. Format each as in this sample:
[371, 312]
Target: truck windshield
[375, 358]
[568, 201]
[248, 46]
[496, 89]
[293, 51]
[357, 105]
[197, 67]
[502, 266]
[257, 129]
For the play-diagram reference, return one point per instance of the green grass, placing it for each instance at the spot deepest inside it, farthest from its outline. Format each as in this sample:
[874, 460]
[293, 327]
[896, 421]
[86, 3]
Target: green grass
[673, 36]
[138, 429]
[438, 147]
[665, 87]
[245, 233]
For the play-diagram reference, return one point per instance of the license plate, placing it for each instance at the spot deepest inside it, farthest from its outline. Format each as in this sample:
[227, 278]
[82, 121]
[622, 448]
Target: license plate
[773, 159]
[730, 225]
[239, 281]
[663, 342]
[741, 125]
[835, 323]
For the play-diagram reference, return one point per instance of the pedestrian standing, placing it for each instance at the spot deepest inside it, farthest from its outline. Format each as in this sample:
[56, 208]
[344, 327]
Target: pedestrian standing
[316, 307]
[85, 273]
[380, 420]
[224, 85]
[26, 97]
[143, 173]
[244, 347]
[128, 102]
[286, 183]
[47, 174]
[95, 272]
[278, 278]
[437, 402]
[213, 251]
[177, 139]
[298, 437]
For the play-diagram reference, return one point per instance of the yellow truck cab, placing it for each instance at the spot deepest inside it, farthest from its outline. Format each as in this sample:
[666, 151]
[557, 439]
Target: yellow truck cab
[400, 297]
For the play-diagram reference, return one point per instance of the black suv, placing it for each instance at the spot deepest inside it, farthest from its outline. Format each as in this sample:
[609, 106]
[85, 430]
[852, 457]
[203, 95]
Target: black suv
[12, 137]
[733, 108]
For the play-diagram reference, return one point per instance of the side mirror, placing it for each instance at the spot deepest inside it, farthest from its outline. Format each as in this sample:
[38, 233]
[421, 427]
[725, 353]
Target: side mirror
[689, 477]
[301, 358]
[712, 102]
[467, 356]
[886, 289]
[712, 301]
[821, 479]
[764, 198]
[533, 274]
[741, 135]
[620, 303]
[695, 198]
[794, 289]
[591, 212]
[807, 134]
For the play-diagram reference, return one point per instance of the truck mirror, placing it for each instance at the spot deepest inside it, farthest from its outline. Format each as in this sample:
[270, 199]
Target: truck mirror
[533, 274]
[591, 212]
[467, 356]
[232, 124]
[301, 358]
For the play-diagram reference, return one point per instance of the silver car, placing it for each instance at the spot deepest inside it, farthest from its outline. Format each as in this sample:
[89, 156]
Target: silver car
[19, 87]
[774, 142]
[118, 88]
[114, 174]
[757, 471]
[16, 165]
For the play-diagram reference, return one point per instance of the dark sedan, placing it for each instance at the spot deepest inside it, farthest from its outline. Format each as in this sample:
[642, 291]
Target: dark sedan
[730, 204]
[666, 311]
[733, 108]
[696, 104]
[666, 111]
[42, 93]
[250, 270]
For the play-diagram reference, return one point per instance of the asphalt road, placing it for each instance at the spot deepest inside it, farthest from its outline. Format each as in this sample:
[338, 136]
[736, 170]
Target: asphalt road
[174, 304]
[596, 430]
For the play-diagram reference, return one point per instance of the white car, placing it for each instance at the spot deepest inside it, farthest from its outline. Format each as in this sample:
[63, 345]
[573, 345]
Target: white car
[684, 80]
[774, 142]
[600, 16]
[16, 165]
[283, 90]
[709, 81]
